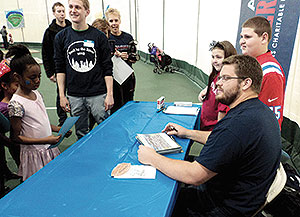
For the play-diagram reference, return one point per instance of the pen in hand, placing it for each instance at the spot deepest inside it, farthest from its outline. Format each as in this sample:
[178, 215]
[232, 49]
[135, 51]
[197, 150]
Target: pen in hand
[170, 128]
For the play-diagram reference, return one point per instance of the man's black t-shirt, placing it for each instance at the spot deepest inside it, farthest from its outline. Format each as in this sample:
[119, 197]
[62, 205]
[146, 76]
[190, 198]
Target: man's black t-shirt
[244, 149]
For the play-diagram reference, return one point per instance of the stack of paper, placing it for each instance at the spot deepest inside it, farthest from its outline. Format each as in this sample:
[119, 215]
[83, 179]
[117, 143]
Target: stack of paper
[161, 142]
[180, 110]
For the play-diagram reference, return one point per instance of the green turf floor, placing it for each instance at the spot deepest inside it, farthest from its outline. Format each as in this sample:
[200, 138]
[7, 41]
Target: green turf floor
[149, 87]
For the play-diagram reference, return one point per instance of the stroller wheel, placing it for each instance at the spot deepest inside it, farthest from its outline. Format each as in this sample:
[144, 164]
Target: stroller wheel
[167, 69]
[158, 71]
[155, 70]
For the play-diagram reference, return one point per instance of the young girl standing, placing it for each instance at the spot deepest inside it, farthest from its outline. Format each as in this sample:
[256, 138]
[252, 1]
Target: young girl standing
[212, 111]
[29, 120]
[8, 86]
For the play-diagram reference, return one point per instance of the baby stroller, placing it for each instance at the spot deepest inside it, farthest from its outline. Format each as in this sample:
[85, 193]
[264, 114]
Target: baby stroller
[161, 60]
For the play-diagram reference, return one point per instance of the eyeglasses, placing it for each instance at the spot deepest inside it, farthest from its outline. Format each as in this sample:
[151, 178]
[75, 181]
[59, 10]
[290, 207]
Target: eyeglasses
[224, 78]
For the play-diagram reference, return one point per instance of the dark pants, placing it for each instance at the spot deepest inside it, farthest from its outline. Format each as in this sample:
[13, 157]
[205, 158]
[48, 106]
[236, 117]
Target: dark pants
[123, 93]
[5, 42]
[2, 168]
[62, 115]
[194, 201]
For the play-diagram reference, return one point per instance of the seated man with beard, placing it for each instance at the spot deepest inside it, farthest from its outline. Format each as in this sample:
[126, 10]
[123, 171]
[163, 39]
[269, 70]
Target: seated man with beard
[238, 163]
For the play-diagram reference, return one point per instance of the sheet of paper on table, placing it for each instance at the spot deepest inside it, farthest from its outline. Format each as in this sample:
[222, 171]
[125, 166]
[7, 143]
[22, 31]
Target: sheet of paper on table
[139, 172]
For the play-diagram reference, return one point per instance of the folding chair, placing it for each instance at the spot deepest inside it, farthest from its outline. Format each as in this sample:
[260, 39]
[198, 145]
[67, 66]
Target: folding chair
[276, 187]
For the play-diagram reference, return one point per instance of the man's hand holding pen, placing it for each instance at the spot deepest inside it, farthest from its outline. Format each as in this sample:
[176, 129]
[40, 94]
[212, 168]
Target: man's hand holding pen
[175, 130]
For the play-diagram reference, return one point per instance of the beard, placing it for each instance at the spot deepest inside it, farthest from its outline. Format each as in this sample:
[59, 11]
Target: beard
[229, 97]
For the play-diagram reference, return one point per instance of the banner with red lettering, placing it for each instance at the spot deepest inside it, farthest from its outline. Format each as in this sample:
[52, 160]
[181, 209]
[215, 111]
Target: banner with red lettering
[283, 16]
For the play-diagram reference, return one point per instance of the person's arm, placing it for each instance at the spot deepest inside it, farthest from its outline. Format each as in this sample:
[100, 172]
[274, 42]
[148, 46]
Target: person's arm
[60, 69]
[183, 171]
[55, 128]
[123, 55]
[109, 100]
[202, 94]
[272, 93]
[16, 137]
[107, 65]
[196, 135]
[47, 56]
[64, 102]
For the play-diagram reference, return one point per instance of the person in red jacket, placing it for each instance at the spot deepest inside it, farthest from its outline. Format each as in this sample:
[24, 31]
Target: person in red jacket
[255, 37]
[212, 110]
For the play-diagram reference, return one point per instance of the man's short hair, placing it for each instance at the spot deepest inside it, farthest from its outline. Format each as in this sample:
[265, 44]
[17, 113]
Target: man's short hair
[102, 25]
[112, 11]
[85, 3]
[247, 66]
[57, 4]
[259, 25]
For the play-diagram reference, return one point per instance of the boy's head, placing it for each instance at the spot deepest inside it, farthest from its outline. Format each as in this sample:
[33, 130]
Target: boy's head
[58, 10]
[102, 25]
[85, 4]
[255, 36]
[79, 10]
[57, 4]
[114, 19]
[112, 11]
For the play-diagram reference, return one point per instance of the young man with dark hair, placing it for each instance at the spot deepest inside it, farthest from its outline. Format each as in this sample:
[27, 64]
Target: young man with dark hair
[238, 163]
[255, 36]
[60, 22]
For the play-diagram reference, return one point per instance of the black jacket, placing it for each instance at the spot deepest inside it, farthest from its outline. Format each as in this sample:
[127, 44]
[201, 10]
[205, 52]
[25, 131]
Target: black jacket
[47, 46]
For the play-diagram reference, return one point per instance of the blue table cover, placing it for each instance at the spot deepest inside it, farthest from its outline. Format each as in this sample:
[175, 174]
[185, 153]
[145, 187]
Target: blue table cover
[78, 182]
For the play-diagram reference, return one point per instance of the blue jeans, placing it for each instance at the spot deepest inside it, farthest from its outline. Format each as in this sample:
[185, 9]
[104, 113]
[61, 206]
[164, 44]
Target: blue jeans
[83, 106]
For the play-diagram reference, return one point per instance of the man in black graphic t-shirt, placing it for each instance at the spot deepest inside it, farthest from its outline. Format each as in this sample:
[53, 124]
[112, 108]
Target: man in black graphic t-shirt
[84, 69]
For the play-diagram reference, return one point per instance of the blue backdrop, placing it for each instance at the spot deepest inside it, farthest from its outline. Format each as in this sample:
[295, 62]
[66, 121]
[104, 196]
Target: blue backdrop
[283, 16]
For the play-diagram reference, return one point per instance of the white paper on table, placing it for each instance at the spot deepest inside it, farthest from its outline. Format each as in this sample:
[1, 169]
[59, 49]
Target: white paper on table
[121, 70]
[181, 110]
[139, 172]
